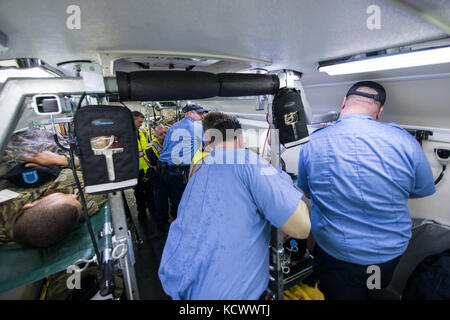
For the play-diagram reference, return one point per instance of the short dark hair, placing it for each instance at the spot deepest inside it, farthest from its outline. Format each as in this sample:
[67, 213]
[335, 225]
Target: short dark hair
[226, 125]
[137, 114]
[45, 225]
[211, 118]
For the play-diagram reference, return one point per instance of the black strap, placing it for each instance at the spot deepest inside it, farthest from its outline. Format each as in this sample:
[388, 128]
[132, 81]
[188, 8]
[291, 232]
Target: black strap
[375, 97]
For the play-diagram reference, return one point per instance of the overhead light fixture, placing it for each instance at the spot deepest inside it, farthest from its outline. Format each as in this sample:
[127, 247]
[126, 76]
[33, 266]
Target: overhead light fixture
[390, 61]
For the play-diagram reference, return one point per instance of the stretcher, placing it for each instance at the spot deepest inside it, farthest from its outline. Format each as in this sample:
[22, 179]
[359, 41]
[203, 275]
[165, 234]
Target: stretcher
[20, 266]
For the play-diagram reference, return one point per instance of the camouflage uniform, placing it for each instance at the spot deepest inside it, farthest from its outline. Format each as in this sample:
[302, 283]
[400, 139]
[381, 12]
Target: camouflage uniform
[26, 144]
[11, 210]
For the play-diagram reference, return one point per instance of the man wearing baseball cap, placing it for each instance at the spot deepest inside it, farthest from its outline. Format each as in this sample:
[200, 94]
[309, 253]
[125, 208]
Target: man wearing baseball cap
[182, 140]
[360, 174]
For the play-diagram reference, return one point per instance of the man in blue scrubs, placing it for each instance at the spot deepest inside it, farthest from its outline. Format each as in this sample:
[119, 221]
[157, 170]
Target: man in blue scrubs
[218, 247]
[182, 141]
[360, 174]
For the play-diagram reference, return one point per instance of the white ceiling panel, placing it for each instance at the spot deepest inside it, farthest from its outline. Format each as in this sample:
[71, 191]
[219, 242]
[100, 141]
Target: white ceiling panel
[291, 33]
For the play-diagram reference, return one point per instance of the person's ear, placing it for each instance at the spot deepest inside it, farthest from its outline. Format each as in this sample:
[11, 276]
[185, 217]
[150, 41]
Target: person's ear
[344, 103]
[379, 113]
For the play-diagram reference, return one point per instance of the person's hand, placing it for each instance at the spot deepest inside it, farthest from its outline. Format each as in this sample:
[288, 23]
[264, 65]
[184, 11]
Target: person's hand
[46, 159]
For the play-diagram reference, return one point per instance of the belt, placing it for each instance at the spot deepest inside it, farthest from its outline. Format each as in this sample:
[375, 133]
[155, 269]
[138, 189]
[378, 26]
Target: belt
[164, 166]
[178, 166]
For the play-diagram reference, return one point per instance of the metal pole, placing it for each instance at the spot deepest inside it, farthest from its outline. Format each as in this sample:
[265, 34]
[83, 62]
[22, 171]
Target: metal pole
[276, 241]
[122, 236]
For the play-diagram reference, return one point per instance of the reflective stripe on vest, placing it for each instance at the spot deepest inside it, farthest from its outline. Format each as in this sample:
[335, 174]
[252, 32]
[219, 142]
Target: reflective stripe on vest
[156, 147]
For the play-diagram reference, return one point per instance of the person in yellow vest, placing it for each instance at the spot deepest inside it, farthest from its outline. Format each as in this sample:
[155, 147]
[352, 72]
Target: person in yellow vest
[208, 122]
[154, 149]
[143, 191]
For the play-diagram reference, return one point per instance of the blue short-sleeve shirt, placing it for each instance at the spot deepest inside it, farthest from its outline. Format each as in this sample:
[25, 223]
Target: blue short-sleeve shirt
[218, 247]
[182, 140]
[360, 174]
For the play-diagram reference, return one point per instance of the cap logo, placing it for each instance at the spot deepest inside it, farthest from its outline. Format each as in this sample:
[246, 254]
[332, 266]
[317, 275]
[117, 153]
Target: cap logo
[30, 177]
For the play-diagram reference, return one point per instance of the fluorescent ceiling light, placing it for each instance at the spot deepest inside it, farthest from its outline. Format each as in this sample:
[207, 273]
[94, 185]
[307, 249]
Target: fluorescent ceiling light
[390, 61]
[24, 73]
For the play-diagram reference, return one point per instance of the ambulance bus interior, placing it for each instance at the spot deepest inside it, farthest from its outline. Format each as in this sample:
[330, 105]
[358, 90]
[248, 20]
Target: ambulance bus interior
[59, 57]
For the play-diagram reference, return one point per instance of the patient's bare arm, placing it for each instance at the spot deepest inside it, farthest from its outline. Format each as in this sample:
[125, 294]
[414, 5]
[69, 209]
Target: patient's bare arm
[46, 159]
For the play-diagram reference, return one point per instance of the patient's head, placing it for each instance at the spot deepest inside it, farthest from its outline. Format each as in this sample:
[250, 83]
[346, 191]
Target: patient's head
[47, 221]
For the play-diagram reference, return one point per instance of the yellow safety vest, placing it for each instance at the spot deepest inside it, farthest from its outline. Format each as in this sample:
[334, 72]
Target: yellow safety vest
[143, 138]
[155, 146]
[198, 156]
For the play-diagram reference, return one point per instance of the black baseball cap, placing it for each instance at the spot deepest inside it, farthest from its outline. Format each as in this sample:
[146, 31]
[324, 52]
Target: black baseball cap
[380, 96]
[193, 107]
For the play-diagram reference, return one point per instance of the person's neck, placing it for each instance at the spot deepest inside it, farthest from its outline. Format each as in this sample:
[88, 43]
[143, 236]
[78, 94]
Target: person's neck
[356, 112]
[227, 145]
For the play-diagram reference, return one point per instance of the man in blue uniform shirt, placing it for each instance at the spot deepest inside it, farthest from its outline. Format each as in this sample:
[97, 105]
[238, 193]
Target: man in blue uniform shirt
[182, 141]
[218, 247]
[360, 174]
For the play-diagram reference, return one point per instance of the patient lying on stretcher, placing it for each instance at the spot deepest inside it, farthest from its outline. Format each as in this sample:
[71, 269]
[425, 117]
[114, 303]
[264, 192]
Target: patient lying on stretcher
[44, 215]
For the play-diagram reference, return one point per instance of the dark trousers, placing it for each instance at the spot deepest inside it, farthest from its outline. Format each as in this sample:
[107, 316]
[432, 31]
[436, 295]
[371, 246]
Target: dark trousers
[145, 198]
[161, 215]
[172, 182]
[339, 280]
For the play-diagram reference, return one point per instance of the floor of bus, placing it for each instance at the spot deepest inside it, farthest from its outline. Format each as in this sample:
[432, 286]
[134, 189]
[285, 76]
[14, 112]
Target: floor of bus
[148, 254]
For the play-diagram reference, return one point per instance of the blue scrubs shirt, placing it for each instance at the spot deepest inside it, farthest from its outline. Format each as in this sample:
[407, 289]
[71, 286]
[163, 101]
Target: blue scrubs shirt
[182, 141]
[218, 247]
[360, 174]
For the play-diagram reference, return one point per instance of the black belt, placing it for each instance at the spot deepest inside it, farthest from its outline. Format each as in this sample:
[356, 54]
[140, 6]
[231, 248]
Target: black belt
[163, 166]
